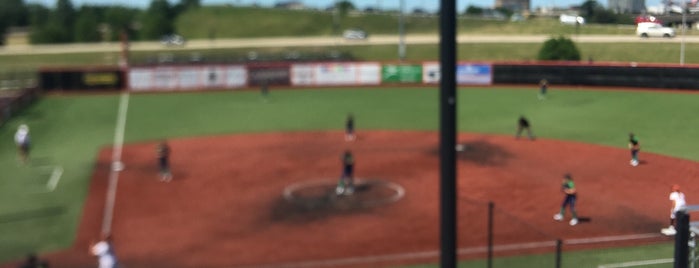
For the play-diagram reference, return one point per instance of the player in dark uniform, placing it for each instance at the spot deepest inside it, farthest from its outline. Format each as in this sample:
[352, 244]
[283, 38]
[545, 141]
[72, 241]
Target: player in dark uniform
[346, 183]
[635, 147]
[543, 87]
[571, 195]
[349, 128]
[164, 161]
[523, 124]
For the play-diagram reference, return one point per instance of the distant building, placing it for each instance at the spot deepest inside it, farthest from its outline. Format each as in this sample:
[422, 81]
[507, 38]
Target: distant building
[627, 6]
[514, 5]
[293, 5]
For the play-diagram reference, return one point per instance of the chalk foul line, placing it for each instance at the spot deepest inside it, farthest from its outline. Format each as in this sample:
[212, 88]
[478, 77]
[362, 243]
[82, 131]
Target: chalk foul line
[55, 177]
[636, 263]
[116, 161]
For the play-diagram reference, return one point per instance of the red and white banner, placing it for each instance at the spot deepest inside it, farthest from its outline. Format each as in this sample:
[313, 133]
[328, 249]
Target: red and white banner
[335, 73]
[187, 77]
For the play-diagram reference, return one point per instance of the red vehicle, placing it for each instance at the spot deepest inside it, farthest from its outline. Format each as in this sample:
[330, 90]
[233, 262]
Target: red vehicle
[647, 18]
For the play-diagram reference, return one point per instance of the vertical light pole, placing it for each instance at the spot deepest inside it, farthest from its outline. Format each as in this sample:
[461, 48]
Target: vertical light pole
[401, 31]
[684, 24]
[447, 140]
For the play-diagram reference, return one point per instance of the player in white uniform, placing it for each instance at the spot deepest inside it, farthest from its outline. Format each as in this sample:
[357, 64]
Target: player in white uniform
[105, 253]
[678, 203]
[22, 141]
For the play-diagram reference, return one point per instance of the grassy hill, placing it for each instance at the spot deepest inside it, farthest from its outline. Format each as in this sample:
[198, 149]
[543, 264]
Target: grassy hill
[234, 22]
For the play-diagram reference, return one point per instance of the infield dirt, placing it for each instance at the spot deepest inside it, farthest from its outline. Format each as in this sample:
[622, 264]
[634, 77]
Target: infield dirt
[225, 206]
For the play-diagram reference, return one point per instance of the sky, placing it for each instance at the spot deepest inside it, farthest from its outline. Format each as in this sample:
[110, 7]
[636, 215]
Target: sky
[429, 5]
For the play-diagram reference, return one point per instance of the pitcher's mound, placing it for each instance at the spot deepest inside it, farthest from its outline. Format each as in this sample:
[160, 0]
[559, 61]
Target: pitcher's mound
[321, 195]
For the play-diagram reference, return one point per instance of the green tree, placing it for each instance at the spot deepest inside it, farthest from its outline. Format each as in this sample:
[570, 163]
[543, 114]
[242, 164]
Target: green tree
[158, 20]
[587, 9]
[87, 25]
[474, 10]
[12, 13]
[560, 48]
[344, 7]
[64, 13]
[38, 15]
[59, 26]
[604, 16]
[122, 19]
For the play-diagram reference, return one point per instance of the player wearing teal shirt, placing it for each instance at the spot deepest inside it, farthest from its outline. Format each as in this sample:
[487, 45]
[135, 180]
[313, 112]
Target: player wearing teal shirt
[568, 187]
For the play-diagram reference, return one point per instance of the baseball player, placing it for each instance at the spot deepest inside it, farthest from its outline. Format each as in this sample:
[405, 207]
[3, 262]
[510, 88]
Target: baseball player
[568, 188]
[104, 251]
[346, 183]
[678, 203]
[163, 151]
[23, 142]
[349, 128]
[543, 87]
[635, 147]
[523, 124]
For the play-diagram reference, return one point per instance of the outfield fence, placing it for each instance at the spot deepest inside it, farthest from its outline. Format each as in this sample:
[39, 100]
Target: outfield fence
[14, 100]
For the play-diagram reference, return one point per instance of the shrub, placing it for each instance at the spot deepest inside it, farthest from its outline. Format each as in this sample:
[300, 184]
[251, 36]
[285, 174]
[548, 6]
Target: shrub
[560, 48]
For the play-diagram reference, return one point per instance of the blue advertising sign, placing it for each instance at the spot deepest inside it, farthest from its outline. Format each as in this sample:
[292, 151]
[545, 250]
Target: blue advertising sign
[474, 74]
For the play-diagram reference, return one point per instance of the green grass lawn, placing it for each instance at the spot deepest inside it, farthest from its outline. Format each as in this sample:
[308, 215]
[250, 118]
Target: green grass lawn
[225, 21]
[600, 52]
[578, 259]
[68, 131]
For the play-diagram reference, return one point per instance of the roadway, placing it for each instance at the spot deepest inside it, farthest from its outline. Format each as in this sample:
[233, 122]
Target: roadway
[323, 42]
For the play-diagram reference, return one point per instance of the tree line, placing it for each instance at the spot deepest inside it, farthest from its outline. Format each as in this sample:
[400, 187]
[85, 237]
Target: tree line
[66, 24]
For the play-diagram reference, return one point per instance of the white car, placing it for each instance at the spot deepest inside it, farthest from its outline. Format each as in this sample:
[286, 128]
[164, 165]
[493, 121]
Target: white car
[355, 34]
[172, 40]
[653, 29]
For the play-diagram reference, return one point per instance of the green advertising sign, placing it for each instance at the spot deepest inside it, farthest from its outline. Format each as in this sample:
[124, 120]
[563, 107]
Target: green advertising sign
[393, 73]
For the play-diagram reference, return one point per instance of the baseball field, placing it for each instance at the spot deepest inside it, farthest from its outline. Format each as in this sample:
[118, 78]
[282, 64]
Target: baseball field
[236, 157]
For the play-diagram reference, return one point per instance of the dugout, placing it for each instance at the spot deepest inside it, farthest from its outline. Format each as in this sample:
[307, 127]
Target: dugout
[81, 78]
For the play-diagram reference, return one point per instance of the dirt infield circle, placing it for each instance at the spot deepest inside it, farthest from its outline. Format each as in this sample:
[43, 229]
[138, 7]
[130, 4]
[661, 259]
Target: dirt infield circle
[226, 206]
[320, 194]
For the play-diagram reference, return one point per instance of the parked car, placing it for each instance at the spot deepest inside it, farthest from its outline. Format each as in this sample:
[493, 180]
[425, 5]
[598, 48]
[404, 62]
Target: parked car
[355, 34]
[653, 29]
[172, 40]
[572, 19]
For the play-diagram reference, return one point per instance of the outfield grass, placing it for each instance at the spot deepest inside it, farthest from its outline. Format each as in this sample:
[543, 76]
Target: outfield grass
[66, 132]
[69, 130]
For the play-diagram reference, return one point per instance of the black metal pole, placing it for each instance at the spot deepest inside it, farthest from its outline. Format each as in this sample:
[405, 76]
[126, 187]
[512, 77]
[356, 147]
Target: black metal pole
[447, 52]
[682, 240]
[559, 249]
[491, 208]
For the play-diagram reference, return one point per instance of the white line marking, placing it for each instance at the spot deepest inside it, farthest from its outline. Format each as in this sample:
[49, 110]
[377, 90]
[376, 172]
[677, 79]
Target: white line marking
[636, 263]
[116, 158]
[55, 177]
[364, 261]
[405, 256]
[579, 241]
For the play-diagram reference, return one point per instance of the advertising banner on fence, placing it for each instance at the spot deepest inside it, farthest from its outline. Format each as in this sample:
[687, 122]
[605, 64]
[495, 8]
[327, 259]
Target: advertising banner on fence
[273, 75]
[396, 73]
[81, 79]
[474, 74]
[466, 73]
[187, 77]
[335, 73]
